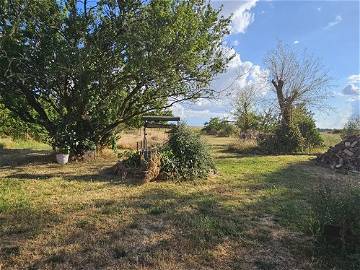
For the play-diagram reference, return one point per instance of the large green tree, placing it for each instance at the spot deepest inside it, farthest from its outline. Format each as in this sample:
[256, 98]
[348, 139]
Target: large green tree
[82, 68]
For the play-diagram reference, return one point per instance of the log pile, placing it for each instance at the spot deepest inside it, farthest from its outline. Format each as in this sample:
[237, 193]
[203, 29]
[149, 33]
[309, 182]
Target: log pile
[343, 156]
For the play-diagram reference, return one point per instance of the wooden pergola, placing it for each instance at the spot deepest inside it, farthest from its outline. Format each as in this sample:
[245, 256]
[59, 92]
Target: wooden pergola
[156, 121]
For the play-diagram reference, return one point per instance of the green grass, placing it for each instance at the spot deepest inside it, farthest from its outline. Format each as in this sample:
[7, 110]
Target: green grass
[254, 214]
[7, 143]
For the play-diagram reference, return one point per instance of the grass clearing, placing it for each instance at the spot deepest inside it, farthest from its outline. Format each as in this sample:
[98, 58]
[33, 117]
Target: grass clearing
[254, 214]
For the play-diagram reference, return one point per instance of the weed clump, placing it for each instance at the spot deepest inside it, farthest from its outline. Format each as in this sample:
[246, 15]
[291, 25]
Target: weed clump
[336, 220]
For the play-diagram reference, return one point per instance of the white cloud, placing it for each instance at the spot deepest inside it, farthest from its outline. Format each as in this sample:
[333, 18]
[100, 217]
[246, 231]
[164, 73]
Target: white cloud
[353, 87]
[241, 13]
[296, 42]
[235, 43]
[238, 74]
[354, 79]
[319, 9]
[337, 20]
[351, 90]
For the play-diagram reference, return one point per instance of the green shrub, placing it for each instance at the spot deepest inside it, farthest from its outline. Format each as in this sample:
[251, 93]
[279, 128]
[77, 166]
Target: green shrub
[336, 218]
[286, 139]
[219, 127]
[352, 127]
[186, 156]
[227, 130]
[306, 124]
[248, 121]
[301, 134]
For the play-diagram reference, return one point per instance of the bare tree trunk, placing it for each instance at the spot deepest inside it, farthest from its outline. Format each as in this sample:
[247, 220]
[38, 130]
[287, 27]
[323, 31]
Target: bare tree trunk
[285, 105]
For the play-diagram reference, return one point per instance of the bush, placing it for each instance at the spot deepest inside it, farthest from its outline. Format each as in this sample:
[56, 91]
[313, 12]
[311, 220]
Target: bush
[186, 156]
[352, 127]
[306, 124]
[301, 134]
[336, 219]
[219, 127]
[227, 130]
[286, 139]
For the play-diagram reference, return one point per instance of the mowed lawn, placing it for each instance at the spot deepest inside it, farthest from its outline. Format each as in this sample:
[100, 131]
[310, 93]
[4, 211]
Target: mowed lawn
[253, 214]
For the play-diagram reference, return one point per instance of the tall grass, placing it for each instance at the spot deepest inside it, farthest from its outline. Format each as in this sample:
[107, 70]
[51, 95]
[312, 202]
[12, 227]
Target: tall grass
[8, 143]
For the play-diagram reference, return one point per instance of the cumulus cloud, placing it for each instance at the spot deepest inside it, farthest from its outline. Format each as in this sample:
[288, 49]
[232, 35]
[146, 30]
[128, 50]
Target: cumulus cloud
[351, 90]
[241, 13]
[353, 87]
[296, 42]
[354, 79]
[238, 74]
[336, 21]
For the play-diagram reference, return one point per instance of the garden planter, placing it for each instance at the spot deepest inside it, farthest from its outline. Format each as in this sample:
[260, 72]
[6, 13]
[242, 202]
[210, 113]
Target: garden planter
[62, 158]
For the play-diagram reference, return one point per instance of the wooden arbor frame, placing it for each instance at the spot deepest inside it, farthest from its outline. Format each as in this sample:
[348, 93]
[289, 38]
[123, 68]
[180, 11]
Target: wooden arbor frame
[154, 121]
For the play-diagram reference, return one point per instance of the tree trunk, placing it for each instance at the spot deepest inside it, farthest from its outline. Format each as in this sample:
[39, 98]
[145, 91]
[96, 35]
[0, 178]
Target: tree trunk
[284, 104]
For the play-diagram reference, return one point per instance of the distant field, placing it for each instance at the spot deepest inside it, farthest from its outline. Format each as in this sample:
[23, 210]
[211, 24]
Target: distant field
[254, 214]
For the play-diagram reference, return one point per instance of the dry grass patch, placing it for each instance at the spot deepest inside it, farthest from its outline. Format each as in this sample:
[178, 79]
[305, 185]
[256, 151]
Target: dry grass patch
[129, 139]
[252, 215]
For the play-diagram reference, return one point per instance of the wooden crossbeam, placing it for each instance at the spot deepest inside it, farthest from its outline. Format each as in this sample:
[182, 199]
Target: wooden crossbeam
[157, 125]
[160, 118]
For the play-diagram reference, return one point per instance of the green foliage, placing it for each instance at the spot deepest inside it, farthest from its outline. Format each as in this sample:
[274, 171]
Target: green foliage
[131, 159]
[352, 127]
[219, 127]
[336, 220]
[301, 134]
[286, 139]
[186, 156]
[86, 67]
[13, 127]
[311, 135]
[248, 121]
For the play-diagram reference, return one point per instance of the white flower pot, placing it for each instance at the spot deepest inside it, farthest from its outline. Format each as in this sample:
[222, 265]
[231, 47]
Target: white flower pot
[62, 158]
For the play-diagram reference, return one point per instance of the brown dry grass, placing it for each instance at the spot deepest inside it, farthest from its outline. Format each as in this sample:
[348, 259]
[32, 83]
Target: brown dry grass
[252, 215]
[128, 140]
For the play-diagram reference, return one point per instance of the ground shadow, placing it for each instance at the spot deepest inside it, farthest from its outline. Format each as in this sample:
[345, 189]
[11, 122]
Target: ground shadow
[254, 223]
[22, 157]
[193, 227]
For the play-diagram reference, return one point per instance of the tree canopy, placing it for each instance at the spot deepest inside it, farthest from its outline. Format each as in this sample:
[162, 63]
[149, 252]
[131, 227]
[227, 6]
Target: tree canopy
[80, 69]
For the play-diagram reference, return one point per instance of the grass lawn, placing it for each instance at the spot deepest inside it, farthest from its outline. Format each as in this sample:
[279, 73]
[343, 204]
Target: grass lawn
[254, 214]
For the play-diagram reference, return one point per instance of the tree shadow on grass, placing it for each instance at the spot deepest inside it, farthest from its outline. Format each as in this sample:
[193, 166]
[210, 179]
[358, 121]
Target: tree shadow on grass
[96, 174]
[21, 157]
[210, 228]
[254, 223]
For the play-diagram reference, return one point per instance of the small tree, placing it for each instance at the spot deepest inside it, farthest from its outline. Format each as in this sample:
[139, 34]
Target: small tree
[244, 108]
[82, 68]
[220, 127]
[352, 127]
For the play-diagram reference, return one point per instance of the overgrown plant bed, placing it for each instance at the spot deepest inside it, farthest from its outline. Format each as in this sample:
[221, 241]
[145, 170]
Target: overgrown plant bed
[184, 157]
[135, 166]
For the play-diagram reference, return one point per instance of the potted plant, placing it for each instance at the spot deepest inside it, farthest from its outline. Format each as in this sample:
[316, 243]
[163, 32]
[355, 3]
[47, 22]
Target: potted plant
[63, 155]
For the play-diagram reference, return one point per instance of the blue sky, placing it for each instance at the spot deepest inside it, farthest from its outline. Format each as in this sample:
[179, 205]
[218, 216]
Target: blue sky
[327, 29]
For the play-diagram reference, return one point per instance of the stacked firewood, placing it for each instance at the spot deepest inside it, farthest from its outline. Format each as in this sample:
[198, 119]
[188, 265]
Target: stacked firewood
[343, 156]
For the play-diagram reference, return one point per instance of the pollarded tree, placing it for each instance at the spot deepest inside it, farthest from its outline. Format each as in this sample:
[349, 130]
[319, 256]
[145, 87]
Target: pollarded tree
[298, 79]
[82, 68]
